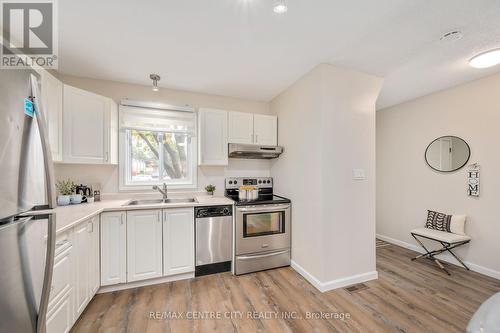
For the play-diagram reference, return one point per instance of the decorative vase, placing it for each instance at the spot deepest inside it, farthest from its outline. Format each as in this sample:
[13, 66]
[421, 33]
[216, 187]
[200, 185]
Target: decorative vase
[75, 199]
[63, 200]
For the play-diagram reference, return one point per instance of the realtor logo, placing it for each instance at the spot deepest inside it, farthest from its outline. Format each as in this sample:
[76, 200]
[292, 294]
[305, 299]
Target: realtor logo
[29, 34]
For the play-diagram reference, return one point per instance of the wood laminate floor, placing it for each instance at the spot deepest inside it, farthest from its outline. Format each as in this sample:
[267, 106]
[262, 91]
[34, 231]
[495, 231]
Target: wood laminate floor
[407, 297]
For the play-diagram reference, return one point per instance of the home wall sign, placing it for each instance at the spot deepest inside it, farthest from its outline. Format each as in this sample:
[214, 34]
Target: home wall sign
[473, 173]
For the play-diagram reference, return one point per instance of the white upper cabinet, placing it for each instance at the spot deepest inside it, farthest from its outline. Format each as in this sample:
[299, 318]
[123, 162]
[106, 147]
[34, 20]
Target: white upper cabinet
[144, 244]
[90, 122]
[178, 241]
[52, 100]
[240, 127]
[113, 248]
[265, 130]
[212, 139]
[252, 128]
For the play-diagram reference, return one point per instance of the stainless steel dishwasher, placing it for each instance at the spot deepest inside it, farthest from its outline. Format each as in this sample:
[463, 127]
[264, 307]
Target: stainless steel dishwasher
[214, 239]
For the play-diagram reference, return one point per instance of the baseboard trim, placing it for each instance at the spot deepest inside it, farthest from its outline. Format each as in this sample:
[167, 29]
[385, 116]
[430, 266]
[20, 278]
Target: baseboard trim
[334, 284]
[150, 282]
[445, 257]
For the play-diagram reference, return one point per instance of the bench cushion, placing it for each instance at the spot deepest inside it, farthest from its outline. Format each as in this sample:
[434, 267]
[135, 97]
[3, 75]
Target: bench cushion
[457, 224]
[443, 236]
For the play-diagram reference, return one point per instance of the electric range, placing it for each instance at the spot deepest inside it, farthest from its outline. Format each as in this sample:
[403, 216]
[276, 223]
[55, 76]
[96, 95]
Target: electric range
[262, 226]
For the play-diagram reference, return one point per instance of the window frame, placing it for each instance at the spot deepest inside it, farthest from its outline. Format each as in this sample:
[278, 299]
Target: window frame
[125, 183]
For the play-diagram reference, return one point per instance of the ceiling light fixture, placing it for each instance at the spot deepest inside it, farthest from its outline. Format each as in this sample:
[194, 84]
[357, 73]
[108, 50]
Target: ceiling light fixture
[452, 36]
[486, 59]
[155, 78]
[280, 7]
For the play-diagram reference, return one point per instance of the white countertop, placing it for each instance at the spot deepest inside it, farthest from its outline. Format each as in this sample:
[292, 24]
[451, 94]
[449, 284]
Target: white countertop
[71, 215]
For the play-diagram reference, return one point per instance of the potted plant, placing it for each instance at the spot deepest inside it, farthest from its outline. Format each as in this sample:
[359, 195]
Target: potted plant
[65, 189]
[210, 189]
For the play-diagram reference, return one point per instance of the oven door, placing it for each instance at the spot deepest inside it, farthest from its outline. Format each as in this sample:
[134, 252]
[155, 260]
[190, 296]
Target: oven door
[262, 228]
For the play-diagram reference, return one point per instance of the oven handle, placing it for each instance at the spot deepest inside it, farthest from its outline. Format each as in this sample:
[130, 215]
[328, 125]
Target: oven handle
[263, 208]
[262, 255]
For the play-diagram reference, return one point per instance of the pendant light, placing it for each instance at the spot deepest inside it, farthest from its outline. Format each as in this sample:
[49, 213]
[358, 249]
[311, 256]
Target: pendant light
[155, 78]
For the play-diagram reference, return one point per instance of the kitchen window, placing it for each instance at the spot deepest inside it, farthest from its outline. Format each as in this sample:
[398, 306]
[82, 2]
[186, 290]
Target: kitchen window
[157, 146]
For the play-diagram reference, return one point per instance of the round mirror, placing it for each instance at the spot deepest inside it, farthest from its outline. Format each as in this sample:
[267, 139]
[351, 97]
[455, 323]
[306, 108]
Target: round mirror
[447, 153]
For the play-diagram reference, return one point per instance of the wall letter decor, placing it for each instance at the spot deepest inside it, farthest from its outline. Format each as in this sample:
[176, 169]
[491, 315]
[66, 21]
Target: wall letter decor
[473, 180]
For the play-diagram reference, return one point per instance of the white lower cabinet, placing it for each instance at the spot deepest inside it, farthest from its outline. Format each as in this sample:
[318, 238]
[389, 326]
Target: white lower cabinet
[144, 245]
[178, 241]
[81, 267]
[116, 248]
[60, 316]
[94, 254]
[75, 278]
[60, 319]
[113, 248]
[86, 263]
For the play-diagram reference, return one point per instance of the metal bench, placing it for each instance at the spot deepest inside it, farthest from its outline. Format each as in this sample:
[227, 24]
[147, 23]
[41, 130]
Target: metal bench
[448, 240]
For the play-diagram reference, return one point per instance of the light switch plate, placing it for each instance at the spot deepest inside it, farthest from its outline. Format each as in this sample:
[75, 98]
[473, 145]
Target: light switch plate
[358, 174]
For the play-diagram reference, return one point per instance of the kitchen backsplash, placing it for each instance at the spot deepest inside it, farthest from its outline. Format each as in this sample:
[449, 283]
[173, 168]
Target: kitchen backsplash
[107, 175]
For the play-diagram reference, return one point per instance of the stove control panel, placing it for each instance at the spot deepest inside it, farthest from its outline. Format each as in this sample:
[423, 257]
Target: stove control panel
[260, 182]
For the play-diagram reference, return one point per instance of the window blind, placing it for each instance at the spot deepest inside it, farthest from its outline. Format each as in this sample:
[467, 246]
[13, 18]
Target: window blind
[155, 120]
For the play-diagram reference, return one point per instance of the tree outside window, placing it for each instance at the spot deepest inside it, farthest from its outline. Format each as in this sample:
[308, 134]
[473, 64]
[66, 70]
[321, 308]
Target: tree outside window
[157, 157]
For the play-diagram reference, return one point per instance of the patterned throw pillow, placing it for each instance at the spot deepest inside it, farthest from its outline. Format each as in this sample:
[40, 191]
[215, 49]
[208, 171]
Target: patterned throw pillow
[438, 221]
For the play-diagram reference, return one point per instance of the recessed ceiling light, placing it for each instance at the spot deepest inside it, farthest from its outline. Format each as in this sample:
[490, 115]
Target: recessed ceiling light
[280, 7]
[155, 78]
[486, 59]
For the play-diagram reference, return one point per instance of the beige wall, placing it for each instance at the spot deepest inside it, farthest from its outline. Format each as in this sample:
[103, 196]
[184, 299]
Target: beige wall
[107, 176]
[407, 187]
[327, 125]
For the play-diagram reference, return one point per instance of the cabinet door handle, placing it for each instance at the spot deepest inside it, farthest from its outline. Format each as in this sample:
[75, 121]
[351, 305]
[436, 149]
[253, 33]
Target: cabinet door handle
[121, 219]
[58, 245]
[106, 157]
[158, 217]
[90, 227]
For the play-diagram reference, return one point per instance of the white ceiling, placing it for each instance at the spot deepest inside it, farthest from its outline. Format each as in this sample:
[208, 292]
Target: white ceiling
[241, 48]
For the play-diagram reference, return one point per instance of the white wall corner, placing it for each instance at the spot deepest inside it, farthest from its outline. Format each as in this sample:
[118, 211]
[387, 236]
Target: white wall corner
[444, 257]
[334, 284]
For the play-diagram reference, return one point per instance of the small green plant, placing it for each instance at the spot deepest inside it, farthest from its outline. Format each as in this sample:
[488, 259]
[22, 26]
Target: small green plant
[65, 187]
[210, 189]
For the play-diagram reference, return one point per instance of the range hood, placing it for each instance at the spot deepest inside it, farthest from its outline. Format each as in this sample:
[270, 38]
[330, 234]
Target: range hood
[237, 150]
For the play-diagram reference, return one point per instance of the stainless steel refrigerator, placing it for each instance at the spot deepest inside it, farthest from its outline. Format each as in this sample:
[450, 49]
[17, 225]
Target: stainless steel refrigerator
[27, 223]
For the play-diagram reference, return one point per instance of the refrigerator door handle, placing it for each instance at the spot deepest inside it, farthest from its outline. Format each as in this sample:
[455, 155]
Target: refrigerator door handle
[47, 278]
[47, 153]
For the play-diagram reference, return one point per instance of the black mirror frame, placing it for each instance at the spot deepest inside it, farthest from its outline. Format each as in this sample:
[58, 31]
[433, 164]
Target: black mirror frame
[447, 136]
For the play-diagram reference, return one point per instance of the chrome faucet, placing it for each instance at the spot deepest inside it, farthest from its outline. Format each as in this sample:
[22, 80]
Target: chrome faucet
[163, 191]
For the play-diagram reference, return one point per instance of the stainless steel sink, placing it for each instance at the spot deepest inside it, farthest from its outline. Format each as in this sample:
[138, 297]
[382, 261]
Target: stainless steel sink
[160, 201]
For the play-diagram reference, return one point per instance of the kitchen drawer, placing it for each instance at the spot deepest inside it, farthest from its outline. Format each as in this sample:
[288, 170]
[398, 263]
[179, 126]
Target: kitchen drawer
[60, 318]
[63, 241]
[61, 276]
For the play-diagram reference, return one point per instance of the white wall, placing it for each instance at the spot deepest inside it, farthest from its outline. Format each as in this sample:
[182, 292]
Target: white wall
[327, 125]
[107, 175]
[407, 187]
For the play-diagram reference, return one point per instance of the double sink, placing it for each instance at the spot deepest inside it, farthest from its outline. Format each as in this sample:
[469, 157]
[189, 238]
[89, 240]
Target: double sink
[160, 201]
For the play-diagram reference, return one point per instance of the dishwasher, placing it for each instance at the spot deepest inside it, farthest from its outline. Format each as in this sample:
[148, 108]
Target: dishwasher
[214, 239]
